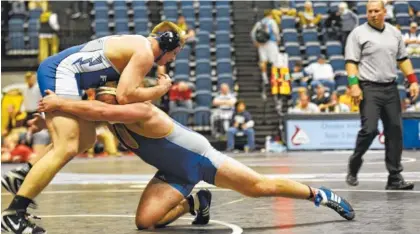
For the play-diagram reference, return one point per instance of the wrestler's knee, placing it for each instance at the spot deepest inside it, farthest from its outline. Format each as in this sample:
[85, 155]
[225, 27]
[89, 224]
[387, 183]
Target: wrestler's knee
[143, 222]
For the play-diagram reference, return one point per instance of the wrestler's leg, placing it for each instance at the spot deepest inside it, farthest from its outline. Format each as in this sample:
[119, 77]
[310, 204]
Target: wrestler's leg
[236, 176]
[66, 144]
[160, 204]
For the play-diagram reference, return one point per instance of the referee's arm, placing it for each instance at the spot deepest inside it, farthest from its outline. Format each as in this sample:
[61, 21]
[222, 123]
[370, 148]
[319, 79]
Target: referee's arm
[404, 63]
[352, 54]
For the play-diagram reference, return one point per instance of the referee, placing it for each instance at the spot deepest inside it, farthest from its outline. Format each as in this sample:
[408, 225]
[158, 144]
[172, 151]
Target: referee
[373, 51]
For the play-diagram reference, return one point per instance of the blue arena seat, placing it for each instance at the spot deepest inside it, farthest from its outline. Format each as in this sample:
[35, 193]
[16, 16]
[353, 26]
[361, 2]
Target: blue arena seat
[202, 52]
[223, 52]
[203, 67]
[292, 49]
[203, 82]
[334, 48]
[182, 70]
[288, 22]
[290, 35]
[121, 26]
[203, 38]
[224, 66]
[310, 35]
[222, 37]
[202, 116]
[180, 115]
[203, 98]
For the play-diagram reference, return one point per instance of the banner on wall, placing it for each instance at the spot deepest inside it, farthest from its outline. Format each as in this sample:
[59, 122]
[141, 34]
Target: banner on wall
[327, 134]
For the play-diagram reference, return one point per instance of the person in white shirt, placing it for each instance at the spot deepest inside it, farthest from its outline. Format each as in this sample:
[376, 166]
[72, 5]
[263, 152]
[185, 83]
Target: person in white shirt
[31, 95]
[412, 40]
[321, 72]
[225, 103]
[266, 37]
[305, 106]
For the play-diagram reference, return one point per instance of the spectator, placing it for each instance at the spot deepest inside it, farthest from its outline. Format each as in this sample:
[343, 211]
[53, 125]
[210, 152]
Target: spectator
[31, 95]
[105, 136]
[321, 98]
[335, 106]
[346, 99]
[304, 106]
[180, 96]
[307, 17]
[189, 33]
[265, 36]
[412, 40]
[225, 103]
[321, 72]
[299, 78]
[349, 21]
[48, 35]
[241, 123]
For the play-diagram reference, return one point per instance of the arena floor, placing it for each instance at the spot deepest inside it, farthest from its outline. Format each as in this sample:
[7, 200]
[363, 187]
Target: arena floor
[101, 195]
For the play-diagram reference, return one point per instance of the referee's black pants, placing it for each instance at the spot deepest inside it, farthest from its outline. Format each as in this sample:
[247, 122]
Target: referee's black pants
[380, 101]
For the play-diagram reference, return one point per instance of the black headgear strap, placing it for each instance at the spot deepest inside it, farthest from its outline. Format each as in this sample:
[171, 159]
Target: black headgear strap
[168, 41]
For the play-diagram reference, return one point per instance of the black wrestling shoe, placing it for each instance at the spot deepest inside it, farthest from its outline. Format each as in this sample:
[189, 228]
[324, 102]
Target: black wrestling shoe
[17, 221]
[203, 197]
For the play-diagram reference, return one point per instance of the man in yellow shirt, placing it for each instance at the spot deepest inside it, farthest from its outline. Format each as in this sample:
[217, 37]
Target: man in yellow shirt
[346, 99]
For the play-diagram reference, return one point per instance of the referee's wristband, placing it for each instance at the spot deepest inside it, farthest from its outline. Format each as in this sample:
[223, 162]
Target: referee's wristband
[412, 78]
[353, 80]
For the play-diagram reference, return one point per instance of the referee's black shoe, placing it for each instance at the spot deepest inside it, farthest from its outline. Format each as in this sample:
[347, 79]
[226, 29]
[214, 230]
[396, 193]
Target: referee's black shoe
[352, 180]
[398, 184]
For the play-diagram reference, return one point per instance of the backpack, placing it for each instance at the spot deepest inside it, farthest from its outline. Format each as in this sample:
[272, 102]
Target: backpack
[261, 33]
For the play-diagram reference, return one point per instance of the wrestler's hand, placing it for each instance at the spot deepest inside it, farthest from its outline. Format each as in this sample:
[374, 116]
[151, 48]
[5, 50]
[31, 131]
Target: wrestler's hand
[49, 103]
[356, 94]
[414, 90]
[36, 124]
[165, 81]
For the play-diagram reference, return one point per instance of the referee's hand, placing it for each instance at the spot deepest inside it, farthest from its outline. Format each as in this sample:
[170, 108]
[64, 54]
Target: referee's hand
[414, 91]
[356, 94]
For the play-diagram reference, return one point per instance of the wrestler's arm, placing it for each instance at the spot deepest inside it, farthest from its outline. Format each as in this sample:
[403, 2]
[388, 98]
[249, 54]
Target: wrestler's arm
[99, 111]
[129, 89]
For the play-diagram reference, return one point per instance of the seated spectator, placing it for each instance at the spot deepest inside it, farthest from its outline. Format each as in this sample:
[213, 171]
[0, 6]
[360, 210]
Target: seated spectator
[189, 33]
[180, 96]
[321, 72]
[283, 11]
[224, 103]
[241, 123]
[412, 40]
[335, 106]
[299, 78]
[321, 98]
[307, 17]
[304, 106]
[347, 100]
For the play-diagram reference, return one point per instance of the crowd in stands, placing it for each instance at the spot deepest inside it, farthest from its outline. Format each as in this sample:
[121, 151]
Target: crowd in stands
[313, 37]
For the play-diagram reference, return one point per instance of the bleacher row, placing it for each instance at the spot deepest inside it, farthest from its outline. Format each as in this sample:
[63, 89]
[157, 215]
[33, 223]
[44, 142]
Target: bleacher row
[22, 37]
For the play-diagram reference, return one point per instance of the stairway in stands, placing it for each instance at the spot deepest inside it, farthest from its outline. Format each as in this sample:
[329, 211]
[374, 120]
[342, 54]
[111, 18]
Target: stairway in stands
[245, 14]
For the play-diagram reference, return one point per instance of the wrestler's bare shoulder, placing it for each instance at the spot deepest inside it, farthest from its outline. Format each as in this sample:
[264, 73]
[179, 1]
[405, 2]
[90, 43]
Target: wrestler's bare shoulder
[120, 49]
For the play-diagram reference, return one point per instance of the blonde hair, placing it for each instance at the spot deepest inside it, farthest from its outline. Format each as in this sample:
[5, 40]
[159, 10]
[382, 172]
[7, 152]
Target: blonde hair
[169, 26]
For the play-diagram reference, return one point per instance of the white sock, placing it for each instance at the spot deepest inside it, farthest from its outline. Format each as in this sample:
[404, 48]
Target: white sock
[196, 202]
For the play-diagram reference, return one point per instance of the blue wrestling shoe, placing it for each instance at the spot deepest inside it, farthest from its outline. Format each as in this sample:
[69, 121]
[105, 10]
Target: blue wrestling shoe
[328, 198]
[202, 212]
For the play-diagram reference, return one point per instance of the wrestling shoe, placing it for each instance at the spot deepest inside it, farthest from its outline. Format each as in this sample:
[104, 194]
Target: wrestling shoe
[200, 206]
[328, 198]
[17, 221]
[13, 179]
